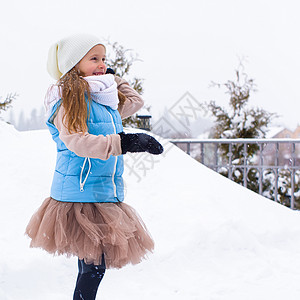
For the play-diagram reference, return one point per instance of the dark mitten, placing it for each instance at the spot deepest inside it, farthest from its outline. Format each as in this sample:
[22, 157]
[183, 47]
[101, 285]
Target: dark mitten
[140, 142]
[110, 71]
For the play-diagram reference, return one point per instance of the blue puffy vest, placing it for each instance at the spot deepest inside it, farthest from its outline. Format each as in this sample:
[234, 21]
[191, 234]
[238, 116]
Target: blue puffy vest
[83, 179]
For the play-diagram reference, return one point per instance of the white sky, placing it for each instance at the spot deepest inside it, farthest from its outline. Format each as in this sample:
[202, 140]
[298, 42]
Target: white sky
[184, 45]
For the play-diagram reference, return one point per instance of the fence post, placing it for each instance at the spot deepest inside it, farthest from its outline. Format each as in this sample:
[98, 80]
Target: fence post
[202, 153]
[230, 161]
[216, 157]
[276, 171]
[245, 164]
[261, 163]
[293, 177]
[188, 148]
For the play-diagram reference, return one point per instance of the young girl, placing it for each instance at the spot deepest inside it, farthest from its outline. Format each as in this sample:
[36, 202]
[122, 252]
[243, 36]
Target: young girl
[85, 215]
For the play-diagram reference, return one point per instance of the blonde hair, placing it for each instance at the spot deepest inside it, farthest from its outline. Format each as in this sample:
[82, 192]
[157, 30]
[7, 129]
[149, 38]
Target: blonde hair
[74, 90]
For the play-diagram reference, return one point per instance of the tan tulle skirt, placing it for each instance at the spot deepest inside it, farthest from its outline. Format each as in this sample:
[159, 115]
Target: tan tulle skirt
[87, 230]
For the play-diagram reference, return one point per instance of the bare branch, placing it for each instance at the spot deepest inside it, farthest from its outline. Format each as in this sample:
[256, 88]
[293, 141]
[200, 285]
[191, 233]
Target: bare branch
[7, 102]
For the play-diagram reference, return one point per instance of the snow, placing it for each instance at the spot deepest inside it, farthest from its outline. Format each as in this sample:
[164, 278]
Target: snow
[215, 240]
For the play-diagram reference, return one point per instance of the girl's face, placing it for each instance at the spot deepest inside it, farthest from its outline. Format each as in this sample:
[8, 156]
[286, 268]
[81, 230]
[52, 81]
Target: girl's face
[93, 63]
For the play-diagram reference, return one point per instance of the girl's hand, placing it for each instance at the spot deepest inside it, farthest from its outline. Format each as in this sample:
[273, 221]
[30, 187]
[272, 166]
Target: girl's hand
[110, 71]
[140, 142]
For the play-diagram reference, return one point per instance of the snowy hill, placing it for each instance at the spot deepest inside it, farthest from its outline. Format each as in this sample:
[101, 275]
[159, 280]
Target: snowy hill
[214, 239]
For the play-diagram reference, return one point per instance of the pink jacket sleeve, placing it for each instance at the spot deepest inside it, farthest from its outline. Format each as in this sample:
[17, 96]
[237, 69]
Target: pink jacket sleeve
[133, 102]
[88, 145]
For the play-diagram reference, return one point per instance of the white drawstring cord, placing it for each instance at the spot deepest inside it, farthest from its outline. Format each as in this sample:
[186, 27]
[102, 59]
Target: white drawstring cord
[86, 176]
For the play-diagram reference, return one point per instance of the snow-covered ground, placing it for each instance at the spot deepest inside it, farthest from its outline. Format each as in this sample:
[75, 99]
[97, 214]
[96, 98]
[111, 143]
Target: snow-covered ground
[214, 239]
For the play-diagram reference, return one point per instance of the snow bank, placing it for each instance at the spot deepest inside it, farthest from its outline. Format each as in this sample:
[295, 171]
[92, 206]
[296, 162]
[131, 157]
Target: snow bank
[214, 239]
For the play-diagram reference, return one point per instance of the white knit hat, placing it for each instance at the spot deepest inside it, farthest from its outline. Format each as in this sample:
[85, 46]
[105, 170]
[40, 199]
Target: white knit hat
[66, 53]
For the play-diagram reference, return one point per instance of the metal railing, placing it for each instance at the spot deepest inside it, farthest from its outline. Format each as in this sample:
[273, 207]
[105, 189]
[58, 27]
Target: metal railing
[276, 162]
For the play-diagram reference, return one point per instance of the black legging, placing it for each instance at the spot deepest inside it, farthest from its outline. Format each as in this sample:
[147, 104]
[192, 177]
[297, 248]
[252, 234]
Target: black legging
[88, 280]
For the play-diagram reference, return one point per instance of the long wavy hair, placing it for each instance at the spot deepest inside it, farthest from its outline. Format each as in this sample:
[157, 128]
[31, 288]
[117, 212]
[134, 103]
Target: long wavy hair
[73, 89]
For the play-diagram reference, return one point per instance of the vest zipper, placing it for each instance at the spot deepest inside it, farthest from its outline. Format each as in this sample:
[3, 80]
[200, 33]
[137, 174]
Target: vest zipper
[116, 158]
[82, 183]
